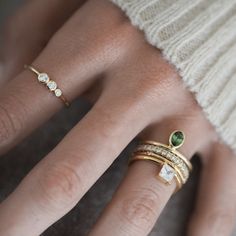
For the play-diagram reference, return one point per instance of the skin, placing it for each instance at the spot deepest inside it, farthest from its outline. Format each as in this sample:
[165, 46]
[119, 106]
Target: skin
[135, 93]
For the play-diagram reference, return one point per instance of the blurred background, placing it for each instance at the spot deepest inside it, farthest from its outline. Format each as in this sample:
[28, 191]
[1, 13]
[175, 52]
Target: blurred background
[17, 163]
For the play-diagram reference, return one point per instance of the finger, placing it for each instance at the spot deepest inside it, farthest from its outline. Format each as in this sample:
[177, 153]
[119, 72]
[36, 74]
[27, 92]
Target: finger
[63, 177]
[141, 197]
[94, 92]
[215, 212]
[72, 59]
[30, 28]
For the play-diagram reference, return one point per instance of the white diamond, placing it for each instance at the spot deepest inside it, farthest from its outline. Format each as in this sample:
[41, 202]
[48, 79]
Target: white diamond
[169, 155]
[52, 85]
[58, 92]
[152, 148]
[164, 152]
[167, 173]
[43, 78]
[158, 150]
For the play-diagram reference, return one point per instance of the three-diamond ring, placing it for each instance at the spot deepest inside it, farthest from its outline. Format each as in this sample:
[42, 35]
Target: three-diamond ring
[44, 79]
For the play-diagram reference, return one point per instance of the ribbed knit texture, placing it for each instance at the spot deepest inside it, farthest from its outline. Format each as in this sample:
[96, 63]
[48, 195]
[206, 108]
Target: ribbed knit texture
[199, 38]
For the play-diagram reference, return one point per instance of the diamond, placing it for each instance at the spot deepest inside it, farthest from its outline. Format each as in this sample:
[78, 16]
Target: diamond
[167, 173]
[153, 148]
[58, 92]
[177, 161]
[52, 85]
[169, 155]
[43, 78]
[164, 152]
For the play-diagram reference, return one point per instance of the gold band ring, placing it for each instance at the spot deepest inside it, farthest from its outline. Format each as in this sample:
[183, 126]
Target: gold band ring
[163, 160]
[166, 167]
[50, 84]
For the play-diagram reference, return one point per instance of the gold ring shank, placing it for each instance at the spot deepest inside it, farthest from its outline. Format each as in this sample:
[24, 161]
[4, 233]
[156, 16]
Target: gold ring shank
[164, 160]
[160, 162]
[176, 160]
[50, 84]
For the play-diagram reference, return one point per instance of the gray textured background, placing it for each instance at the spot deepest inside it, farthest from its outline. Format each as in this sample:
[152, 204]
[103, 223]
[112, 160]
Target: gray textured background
[16, 164]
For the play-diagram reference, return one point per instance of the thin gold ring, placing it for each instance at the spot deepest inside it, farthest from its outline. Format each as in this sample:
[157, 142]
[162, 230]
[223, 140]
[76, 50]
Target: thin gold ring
[164, 160]
[176, 160]
[43, 78]
[178, 179]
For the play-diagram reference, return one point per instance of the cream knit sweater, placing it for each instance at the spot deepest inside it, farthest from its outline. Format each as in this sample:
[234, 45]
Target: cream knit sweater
[199, 38]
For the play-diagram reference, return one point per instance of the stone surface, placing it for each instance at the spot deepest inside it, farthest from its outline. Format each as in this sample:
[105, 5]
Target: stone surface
[167, 173]
[52, 85]
[43, 78]
[177, 138]
[58, 92]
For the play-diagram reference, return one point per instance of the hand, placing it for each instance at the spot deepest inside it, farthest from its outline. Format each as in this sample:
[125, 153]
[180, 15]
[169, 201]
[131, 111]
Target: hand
[135, 92]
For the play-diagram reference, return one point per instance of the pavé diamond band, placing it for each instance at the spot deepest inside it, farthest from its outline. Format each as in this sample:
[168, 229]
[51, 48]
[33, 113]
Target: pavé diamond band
[174, 165]
[50, 84]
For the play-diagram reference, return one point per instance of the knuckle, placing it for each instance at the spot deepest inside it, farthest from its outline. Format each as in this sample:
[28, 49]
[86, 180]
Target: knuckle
[149, 81]
[9, 125]
[140, 208]
[155, 86]
[220, 217]
[60, 186]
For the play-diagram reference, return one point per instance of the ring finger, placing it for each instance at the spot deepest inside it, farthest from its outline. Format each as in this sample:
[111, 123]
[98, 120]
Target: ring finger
[141, 197]
[57, 183]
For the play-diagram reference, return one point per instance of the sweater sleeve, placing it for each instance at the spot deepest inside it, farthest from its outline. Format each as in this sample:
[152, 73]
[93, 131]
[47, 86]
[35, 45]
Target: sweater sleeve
[199, 38]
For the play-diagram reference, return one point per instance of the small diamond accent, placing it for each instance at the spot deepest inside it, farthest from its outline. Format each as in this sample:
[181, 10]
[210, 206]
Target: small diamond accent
[168, 155]
[43, 78]
[167, 173]
[52, 85]
[152, 148]
[58, 92]
[164, 153]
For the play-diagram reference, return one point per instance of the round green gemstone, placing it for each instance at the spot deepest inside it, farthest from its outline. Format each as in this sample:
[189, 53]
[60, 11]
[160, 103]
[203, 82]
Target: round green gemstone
[177, 139]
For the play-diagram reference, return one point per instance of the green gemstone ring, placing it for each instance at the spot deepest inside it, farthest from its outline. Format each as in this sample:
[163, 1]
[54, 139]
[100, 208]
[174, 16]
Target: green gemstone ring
[176, 139]
[174, 165]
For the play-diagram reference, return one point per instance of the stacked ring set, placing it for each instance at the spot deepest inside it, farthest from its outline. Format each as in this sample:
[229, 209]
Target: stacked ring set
[174, 165]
